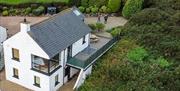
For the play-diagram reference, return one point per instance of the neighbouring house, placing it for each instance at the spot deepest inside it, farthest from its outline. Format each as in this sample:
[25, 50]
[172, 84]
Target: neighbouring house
[46, 55]
[3, 37]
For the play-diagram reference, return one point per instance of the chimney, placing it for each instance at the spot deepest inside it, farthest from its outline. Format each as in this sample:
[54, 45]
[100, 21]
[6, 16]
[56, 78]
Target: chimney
[25, 26]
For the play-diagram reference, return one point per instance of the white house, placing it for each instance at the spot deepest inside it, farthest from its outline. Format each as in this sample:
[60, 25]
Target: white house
[36, 56]
[44, 56]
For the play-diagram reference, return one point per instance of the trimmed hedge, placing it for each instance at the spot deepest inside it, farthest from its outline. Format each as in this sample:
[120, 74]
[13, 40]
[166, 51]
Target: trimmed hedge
[131, 7]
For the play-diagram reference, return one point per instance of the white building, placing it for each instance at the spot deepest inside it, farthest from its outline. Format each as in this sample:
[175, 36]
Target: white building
[36, 56]
[44, 56]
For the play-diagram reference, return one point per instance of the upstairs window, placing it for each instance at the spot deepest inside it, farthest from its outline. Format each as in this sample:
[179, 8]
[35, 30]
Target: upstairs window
[15, 54]
[84, 40]
[15, 73]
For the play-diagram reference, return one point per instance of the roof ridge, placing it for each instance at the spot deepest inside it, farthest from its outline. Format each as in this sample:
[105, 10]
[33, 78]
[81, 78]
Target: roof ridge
[51, 17]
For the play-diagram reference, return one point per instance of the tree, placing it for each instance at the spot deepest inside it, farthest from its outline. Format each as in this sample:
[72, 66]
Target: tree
[84, 3]
[131, 7]
[114, 5]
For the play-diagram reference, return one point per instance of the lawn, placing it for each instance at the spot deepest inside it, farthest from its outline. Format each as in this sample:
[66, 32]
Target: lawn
[16, 2]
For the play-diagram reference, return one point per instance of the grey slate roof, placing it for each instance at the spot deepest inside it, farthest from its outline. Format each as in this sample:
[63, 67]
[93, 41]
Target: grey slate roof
[57, 33]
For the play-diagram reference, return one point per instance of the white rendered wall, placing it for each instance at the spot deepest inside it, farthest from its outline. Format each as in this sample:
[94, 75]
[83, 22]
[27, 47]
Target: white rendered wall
[82, 76]
[26, 46]
[73, 71]
[78, 46]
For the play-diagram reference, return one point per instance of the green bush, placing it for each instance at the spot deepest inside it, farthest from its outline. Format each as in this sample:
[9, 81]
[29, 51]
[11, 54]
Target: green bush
[137, 55]
[84, 3]
[92, 26]
[94, 9]
[82, 9]
[104, 9]
[97, 3]
[40, 10]
[88, 10]
[12, 11]
[131, 7]
[162, 62]
[114, 5]
[100, 26]
[36, 12]
[115, 31]
[109, 10]
[5, 13]
[5, 8]
[28, 11]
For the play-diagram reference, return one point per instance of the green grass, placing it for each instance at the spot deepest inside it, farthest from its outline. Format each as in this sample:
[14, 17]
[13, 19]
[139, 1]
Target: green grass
[16, 2]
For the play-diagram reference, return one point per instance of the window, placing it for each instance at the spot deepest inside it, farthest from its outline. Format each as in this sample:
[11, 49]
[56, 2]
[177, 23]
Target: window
[84, 40]
[56, 80]
[36, 81]
[15, 73]
[15, 54]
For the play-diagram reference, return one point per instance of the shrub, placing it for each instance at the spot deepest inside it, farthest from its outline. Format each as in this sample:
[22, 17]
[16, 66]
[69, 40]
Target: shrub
[115, 31]
[81, 8]
[38, 11]
[88, 10]
[109, 10]
[137, 55]
[131, 7]
[100, 26]
[28, 10]
[17, 12]
[97, 3]
[12, 11]
[41, 8]
[94, 9]
[162, 62]
[104, 9]
[5, 13]
[92, 26]
[84, 3]
[5, 8]
[114, 5]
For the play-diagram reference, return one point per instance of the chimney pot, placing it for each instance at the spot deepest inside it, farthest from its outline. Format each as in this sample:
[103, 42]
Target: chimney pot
[24, 19]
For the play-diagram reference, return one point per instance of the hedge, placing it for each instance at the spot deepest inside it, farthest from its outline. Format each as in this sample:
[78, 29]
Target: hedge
[131, 7]
[17, 2]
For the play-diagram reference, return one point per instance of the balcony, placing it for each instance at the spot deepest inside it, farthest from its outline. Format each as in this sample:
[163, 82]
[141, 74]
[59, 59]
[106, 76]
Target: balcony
[88, 56]
[44, 65]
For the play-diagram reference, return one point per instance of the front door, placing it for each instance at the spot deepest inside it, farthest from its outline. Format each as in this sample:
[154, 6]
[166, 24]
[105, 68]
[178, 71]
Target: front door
[67, 72]
[69, 54]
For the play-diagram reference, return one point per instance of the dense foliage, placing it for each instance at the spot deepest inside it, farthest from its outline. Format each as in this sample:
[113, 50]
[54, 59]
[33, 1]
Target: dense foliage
[131, 7]
[114, 5]
[16, 2]
[147, 58]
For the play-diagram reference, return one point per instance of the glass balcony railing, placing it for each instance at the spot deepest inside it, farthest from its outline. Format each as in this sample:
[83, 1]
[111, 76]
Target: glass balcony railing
[85, 63]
